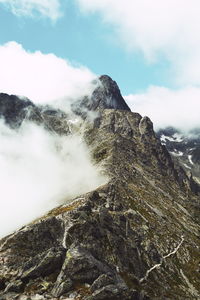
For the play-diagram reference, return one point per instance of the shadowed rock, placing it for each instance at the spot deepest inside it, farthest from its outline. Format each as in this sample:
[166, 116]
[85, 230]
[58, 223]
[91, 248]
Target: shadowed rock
[106, 95]
[13, 109]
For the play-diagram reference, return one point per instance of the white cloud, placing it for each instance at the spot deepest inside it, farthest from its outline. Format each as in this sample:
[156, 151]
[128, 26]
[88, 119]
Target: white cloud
[41, 77]
[159, 29]
[165, 107]
[39, 171]
[46, 8]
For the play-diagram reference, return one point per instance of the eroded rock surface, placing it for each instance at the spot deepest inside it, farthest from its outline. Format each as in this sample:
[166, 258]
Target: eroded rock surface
[136, 237]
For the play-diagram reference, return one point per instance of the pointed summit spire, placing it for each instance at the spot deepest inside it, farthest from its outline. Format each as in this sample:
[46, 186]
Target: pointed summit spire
[108, 95]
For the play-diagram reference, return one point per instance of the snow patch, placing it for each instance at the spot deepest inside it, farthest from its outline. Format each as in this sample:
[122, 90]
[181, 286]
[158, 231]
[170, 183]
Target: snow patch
[174, 138]
[190, 159]
[178, 137]
[177, 153]
[164, 138]
[187, 166]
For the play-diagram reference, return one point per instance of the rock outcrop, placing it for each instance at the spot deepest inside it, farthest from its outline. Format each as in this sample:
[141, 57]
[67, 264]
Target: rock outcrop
[106, 95]
[136, 237]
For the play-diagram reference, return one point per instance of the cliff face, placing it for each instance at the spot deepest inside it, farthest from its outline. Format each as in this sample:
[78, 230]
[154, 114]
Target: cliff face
[184, 148]
[136, 237]
[106, 95]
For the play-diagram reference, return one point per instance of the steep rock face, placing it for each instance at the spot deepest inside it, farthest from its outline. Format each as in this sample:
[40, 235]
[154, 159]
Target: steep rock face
[132, 138]
[106, 95]
[136, 237]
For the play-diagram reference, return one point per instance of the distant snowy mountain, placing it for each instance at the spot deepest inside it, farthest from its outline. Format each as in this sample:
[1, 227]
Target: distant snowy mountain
[184, 148]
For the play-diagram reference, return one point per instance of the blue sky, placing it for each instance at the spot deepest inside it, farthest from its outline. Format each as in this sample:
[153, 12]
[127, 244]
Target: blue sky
[86, 40]
[151, 48]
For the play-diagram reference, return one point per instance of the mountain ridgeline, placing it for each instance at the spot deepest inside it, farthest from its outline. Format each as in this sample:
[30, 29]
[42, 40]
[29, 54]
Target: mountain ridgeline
[136, 237]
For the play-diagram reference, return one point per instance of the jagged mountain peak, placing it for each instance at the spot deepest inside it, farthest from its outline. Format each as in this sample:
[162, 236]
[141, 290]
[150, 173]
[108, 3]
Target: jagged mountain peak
[135, 237]
[106, 95]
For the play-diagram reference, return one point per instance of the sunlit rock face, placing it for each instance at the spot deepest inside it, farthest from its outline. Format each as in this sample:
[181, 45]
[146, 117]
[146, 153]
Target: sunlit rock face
[134, 237]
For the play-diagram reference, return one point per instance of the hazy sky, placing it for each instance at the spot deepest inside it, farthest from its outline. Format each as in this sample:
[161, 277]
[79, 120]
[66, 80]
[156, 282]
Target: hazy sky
[150, 47]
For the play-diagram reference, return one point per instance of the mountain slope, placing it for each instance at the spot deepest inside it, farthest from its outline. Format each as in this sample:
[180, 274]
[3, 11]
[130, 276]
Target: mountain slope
[136, 237]
[184, 148]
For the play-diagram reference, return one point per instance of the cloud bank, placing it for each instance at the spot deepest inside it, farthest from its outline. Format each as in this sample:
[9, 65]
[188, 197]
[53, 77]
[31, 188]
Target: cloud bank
[41, 77]
[159, 29]
[40, 170]
[30, 8]
[180, 108]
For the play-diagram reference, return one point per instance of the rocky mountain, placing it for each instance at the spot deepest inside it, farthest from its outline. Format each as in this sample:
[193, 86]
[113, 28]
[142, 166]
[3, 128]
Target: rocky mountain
[184, 148]
[106, 95]
[136, 237]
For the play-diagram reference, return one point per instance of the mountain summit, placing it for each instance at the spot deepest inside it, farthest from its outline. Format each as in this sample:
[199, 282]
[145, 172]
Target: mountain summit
[136, 237]
[106, 95]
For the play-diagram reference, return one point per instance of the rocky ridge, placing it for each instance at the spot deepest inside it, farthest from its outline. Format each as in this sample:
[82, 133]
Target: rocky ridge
[136, 237]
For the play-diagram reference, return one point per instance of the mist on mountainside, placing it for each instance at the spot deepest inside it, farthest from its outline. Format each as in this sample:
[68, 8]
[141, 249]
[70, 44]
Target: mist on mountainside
[179, 108]
[39, 167]
[40, 170]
